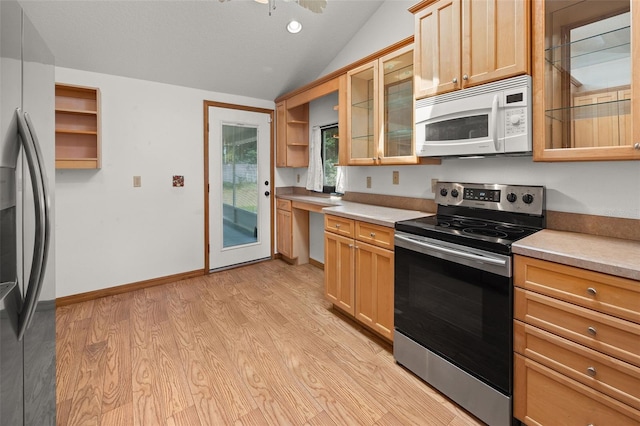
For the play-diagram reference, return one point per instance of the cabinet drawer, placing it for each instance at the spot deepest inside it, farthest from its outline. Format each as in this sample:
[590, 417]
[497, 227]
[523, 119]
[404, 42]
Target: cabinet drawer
[283, 204]
[542, 396]
[604, 333]
[606, 374]
[339, 225]
[613, 295]
[381, 236]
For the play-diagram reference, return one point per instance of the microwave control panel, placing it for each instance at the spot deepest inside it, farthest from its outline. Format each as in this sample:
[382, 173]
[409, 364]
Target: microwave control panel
[515, 106]
[516, 121]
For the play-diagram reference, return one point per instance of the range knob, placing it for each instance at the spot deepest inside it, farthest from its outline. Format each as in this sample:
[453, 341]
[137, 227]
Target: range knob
[527, 198]
[511, 197]
[454, 193]
[443, 192]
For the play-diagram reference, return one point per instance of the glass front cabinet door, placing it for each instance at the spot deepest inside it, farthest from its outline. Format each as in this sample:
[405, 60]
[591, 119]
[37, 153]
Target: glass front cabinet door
[380, 110]
[585, 55]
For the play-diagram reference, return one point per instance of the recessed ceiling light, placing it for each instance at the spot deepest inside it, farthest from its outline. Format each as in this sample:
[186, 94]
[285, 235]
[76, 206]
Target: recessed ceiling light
[294, 27]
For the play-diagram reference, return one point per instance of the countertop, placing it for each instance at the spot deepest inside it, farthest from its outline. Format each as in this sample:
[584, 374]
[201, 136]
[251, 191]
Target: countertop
[612, 256]
[384, 216]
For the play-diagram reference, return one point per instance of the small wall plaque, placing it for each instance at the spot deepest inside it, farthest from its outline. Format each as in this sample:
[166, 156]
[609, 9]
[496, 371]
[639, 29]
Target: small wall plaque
[178, 180]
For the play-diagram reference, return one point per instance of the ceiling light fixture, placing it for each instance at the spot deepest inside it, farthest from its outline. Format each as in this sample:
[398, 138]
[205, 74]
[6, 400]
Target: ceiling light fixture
[294, 27]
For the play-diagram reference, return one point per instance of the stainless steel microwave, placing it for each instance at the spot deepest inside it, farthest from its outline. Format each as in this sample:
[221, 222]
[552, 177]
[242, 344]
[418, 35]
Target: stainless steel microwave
[490, 119]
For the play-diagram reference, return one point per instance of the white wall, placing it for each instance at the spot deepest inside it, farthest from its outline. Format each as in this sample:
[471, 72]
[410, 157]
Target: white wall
[391, 23]
[110, 233]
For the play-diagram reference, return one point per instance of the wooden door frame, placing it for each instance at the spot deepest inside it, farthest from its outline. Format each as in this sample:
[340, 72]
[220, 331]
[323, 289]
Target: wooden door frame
[206, 105]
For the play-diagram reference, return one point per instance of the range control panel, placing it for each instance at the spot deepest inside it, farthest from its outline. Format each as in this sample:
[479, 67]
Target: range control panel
[511, 198]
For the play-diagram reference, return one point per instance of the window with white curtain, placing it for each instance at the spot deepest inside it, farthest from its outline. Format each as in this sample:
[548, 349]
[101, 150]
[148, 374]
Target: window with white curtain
[329, 152]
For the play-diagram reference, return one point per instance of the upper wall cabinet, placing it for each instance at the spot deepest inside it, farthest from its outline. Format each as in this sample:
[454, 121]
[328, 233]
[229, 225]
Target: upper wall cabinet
[77, 127]
[463, 43]
[292, 122]
[380, 106]
[584, 93]
[292, 127]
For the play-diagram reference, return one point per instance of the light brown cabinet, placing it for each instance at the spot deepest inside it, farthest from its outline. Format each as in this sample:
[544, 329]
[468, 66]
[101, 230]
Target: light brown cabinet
[339, 277]
[380, 106]
[292, 135]
[576, 345]
[374, 288]
[359, 271]
[78, 138]
[284, 225]
[584, 91]
[463, 43]
[292, 230]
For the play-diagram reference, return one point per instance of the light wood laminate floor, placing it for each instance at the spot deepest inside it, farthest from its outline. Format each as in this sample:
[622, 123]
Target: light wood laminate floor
[257, 345]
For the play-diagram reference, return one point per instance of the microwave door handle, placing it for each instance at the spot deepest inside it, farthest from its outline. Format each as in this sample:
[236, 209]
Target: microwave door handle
[494, 122]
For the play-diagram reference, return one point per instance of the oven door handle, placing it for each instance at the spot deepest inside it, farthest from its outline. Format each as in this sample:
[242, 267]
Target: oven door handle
[465, 255]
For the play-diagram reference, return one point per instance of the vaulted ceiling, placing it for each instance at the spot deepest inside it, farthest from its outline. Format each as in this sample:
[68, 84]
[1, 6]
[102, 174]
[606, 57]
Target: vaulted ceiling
[233, 46]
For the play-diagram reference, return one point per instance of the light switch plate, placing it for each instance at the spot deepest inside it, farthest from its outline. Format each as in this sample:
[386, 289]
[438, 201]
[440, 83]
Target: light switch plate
[396, 177]
[137, 181]
[368, 181]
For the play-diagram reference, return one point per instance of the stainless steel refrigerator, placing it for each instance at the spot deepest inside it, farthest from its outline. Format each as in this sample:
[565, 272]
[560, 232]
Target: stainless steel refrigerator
[27, 284]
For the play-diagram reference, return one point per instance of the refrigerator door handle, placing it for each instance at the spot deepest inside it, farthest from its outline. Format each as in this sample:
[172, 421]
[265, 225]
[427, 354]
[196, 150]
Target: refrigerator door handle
[40, 187]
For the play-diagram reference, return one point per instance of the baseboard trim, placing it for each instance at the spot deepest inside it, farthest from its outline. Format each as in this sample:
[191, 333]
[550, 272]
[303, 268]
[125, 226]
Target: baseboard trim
[316, 263]
[125, 288]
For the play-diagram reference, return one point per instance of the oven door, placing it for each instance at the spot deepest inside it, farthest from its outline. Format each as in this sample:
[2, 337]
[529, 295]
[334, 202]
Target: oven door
[456, 302]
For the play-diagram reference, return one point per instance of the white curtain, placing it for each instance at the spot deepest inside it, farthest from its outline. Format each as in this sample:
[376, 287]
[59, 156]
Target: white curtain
[315, 176]
[340, 179]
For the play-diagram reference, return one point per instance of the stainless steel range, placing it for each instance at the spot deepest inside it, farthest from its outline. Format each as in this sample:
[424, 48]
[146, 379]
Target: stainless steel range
[454, 292]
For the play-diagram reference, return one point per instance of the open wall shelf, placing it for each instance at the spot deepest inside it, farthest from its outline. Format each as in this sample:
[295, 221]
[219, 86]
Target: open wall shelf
[77, 127]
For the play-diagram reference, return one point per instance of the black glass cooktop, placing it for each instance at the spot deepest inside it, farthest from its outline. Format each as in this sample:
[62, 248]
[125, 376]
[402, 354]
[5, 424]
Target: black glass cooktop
[478, 233]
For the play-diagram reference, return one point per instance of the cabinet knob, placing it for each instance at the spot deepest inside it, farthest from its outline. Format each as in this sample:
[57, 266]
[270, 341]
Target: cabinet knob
[592, 291]
[338, 225]
[591, 371]
[455, 80]
[636, 145]
[267, 193]
[465, 77]
[372, 234]
[592, 331]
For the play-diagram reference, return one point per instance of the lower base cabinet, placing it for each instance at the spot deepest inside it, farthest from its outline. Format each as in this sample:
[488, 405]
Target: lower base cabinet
[543, 396]
[284, 225]
[358, 271]
[374, 288]
[576, 346]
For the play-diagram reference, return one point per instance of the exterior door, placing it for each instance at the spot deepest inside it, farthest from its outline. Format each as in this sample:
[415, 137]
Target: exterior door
[239, 144]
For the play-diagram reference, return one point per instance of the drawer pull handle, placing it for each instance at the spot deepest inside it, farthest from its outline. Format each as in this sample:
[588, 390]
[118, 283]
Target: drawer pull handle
[592, 291]
[373, 234]
[337, 225]
[591, 371]
[592, 331]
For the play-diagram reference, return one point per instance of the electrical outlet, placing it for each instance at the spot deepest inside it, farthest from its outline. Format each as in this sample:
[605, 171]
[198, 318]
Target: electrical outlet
[434, 185]
[396, 177]
[137, 181]
[368, 181]
[298, 178]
